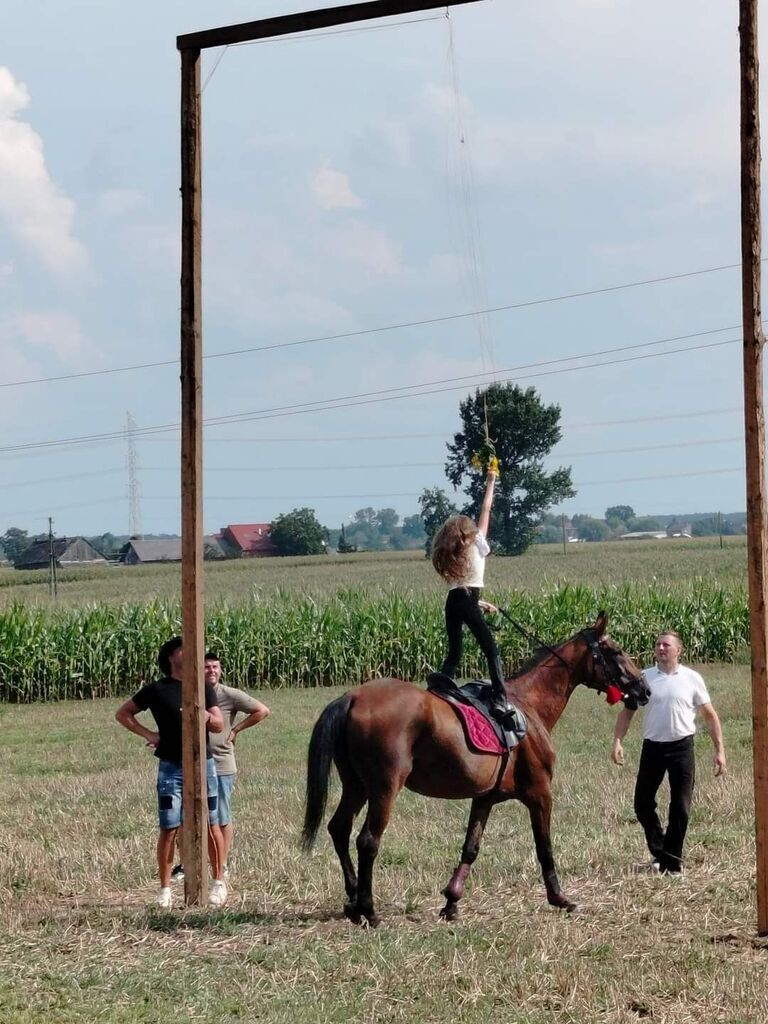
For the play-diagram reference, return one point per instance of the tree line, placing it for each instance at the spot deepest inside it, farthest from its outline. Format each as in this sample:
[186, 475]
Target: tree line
[522, 430]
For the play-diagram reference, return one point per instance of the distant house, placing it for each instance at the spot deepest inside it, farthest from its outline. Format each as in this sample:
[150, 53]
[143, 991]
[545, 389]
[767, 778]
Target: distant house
[676, 529]
[644, 535]
[247, 540]
[165, 549]
[69, 552]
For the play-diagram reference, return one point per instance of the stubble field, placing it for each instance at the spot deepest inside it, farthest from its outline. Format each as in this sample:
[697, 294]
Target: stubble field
[79, 943]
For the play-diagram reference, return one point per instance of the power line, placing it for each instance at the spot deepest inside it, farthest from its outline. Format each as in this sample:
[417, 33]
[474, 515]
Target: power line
[660, 476]
[350, 401]
[366, 332]
[358, 497]
[649, 448]
[371, 465]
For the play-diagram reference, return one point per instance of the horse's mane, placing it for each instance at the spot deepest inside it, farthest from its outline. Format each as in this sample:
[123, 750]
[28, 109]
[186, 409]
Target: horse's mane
[535, 659]
[539, 655]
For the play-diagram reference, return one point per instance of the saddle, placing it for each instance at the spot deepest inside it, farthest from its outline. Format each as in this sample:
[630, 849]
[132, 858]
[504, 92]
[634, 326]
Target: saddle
[475, 697]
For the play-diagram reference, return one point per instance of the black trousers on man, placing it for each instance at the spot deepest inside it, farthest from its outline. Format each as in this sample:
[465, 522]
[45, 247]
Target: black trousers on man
[675, 759]
[461, 607]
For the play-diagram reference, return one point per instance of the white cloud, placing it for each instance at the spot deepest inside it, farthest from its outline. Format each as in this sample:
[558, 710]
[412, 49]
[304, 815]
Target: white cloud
[53, 331]
[366, 247]
[332, 189]
[35, 210]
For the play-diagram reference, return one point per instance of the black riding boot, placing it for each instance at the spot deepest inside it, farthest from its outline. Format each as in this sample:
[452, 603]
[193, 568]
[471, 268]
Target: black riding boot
[501, 709]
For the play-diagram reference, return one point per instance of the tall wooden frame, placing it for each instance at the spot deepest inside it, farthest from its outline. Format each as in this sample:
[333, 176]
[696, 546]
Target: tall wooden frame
[190, 46]
[193, 692]
[754, 435]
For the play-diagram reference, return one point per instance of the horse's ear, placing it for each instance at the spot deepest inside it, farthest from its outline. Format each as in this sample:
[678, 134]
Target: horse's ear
[601, 624]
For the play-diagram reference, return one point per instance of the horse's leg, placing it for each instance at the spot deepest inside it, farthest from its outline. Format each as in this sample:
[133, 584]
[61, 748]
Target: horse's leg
[540, 810]
[368, 842]
[340, 828]
[478, 818]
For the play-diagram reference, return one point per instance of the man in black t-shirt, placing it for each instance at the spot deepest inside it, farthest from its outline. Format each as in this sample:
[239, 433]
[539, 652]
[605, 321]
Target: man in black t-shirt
[163, 699]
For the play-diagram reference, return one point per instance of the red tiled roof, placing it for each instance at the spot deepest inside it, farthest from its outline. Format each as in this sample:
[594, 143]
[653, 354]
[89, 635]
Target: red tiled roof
[250, 537]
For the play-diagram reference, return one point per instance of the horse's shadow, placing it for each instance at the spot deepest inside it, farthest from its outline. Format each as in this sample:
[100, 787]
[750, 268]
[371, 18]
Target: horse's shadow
[226, 920]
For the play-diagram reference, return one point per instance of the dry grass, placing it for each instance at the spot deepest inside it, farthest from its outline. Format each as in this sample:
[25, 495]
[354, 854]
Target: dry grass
[79, 944]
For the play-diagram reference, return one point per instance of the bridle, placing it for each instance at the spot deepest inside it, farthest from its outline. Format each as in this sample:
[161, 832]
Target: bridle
[611, 673]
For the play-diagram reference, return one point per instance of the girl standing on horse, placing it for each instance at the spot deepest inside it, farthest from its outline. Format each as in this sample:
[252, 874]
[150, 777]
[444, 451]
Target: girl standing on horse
[459, 551]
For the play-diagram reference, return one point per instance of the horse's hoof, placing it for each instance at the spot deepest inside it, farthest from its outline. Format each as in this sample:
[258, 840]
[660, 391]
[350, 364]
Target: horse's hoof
[450, 912]
[563, 903]
[373, 921]
[352, 913]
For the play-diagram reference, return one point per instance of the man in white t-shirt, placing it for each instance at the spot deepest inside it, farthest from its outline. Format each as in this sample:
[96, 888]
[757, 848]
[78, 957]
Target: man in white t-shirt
[677, 693]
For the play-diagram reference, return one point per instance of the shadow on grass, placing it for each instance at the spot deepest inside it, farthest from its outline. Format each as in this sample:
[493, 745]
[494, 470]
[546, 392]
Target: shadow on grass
[228, 921]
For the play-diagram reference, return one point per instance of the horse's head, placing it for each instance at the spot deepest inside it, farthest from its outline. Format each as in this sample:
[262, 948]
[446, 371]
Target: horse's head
[611, 669]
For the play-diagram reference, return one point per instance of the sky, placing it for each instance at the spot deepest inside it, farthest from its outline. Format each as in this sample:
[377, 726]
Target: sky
[411, 173]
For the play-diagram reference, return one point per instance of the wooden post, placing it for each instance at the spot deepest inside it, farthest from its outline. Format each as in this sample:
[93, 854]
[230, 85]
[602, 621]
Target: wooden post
[195, 798]
[193, 703]
[754, 426]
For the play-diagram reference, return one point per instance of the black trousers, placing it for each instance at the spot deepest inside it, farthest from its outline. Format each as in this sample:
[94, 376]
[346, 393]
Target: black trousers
[675, 759]
[462, 608]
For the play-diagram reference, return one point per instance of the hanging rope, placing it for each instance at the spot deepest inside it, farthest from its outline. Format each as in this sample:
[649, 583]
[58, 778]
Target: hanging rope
[485, 459]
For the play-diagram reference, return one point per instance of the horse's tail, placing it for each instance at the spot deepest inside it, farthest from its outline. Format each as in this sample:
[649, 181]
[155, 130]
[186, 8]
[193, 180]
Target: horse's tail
[326, 737]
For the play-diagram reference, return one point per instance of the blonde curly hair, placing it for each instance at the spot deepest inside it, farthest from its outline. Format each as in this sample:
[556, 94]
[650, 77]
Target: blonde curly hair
[450, 547]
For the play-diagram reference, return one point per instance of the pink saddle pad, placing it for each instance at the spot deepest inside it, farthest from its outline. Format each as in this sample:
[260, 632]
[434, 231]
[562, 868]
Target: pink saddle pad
[478, 731]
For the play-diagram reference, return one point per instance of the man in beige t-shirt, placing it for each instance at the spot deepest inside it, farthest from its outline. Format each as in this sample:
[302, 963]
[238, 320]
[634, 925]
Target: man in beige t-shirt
[232, 701]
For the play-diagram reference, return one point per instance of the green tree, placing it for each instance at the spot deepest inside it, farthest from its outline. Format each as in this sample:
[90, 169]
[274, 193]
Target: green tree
[298, 533]
[15, 542]
[642, 523]
[524, 431]
[592, 529]
[344, 547]
[365, 517]
[387, 520]
[621, 512]
[413, 527]
[549, 534]
[436, 507]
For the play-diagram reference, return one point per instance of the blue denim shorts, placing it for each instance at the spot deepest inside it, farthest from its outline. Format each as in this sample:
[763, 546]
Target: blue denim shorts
[226, 785]
[169, 793]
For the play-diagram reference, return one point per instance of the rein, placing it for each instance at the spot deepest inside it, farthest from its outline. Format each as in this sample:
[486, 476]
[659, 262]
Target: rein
[594, 647]
[532, 638]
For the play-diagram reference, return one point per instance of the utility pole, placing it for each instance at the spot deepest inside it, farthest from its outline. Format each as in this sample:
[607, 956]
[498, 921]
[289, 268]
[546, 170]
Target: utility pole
[134, 492]
[754, 432]
[562, 523]
[52, 582]
[720, 528]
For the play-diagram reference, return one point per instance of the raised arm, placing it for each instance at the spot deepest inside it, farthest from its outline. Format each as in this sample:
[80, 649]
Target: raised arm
[484, 520]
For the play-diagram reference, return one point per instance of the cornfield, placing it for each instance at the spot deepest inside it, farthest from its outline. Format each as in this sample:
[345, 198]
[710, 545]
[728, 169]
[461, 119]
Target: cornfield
[300, 641]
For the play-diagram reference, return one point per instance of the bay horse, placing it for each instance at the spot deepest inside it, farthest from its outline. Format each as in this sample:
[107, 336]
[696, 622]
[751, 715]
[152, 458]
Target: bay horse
[389, 733]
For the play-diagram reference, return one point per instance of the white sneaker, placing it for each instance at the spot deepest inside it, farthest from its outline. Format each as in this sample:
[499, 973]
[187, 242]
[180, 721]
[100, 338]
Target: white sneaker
[164, 899]
[217, 894]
